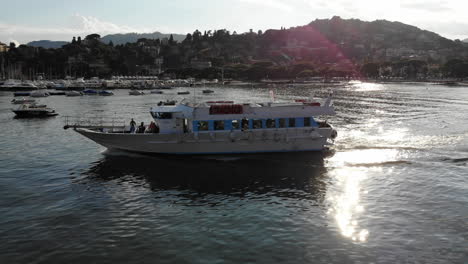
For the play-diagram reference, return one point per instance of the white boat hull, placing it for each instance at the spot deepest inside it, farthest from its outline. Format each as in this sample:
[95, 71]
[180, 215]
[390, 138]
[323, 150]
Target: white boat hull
[223, 142]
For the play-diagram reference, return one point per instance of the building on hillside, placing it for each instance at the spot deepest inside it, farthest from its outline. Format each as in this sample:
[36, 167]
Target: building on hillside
[75, 59]
[164, 41]
[4, 47]
[99, 67]
[152, 50]
[200, 65]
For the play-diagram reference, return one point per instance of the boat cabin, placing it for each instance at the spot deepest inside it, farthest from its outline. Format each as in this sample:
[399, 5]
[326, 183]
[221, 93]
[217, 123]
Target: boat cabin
[227, 116]
[172, 119]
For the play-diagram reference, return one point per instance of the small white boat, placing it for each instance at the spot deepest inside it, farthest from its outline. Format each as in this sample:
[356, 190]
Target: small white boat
[34, 110]
[22, 101]
[73, 93]
[136, 92]
[17, 85]
[40, 93]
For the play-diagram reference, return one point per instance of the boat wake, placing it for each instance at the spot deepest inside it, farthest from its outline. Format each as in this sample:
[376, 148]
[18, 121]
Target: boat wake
[380, 164]
[362, 147]
[458, 160]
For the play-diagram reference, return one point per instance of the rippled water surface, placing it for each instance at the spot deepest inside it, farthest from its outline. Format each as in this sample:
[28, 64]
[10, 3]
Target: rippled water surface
[393, 189]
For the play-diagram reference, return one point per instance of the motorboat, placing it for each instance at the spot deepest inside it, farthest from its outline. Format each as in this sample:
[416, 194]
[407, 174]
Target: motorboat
[57, 93]
[23, 101]
[105, 93]
[73, 93]
[156, 92]
[136, 92]
[207, 91]
[90, 92]
[183, 92]
[40, 93]
[10, 84]
[222, 127]
[34, 110]
[21, 94]
[13, 85]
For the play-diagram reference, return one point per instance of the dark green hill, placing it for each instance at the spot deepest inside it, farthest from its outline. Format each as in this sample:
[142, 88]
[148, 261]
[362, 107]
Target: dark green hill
[118, 39]
[47, 44]
[362, 40]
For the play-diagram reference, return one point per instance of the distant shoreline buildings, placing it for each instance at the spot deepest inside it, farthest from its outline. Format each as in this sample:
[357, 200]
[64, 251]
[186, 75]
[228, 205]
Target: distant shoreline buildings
[324, 48]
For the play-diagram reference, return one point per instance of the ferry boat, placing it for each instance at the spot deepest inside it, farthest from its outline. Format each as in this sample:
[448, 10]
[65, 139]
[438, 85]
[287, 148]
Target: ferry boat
[222, 127]
[34, 110]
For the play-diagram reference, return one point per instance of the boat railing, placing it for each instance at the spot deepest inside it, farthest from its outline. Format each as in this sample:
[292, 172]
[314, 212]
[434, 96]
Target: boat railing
[93, 122]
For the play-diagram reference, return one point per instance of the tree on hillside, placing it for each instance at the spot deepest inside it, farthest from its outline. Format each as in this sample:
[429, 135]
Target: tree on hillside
[455, 68]
[93, 37]
[171, 40]
[370, 70]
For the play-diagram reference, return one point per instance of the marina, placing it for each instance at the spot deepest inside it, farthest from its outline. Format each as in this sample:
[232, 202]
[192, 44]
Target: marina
[232, 132]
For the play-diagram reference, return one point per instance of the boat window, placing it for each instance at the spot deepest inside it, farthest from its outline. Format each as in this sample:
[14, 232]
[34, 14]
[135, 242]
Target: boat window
[219, 125]
[162, 115]
[257, 123]
[235, 124]
[270, 123]
[202, 125]
[292, 122]
[306, 121]
[245, 123]
[282, 122]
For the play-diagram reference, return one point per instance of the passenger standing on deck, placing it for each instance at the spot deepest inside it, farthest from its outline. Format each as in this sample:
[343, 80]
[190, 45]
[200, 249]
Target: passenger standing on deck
[132, 126]
[141, 128]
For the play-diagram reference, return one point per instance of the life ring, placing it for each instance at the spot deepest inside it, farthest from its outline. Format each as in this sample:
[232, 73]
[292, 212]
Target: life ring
[334, 134]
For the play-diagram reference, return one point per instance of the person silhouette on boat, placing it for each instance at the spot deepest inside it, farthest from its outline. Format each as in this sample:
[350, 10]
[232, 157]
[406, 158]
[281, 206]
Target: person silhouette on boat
[151, 128]
[141, 128]
[132, 126]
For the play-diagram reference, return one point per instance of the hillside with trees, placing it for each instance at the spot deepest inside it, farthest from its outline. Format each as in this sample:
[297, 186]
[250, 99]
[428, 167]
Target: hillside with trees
[325, 48]
[118, 39]
[47, 44]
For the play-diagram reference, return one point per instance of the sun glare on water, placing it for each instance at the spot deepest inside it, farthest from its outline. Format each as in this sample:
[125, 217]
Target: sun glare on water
[349, 171]
[367, 87]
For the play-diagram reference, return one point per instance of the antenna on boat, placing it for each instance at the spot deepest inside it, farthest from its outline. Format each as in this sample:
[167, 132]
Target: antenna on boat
[194, 95]
[329, 98]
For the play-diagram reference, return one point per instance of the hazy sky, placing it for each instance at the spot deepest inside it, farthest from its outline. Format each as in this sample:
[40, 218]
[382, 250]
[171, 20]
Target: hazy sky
[25, 20]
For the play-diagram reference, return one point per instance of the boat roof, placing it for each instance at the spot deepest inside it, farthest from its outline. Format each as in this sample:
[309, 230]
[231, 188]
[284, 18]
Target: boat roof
[202, 110]
[179, 108]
